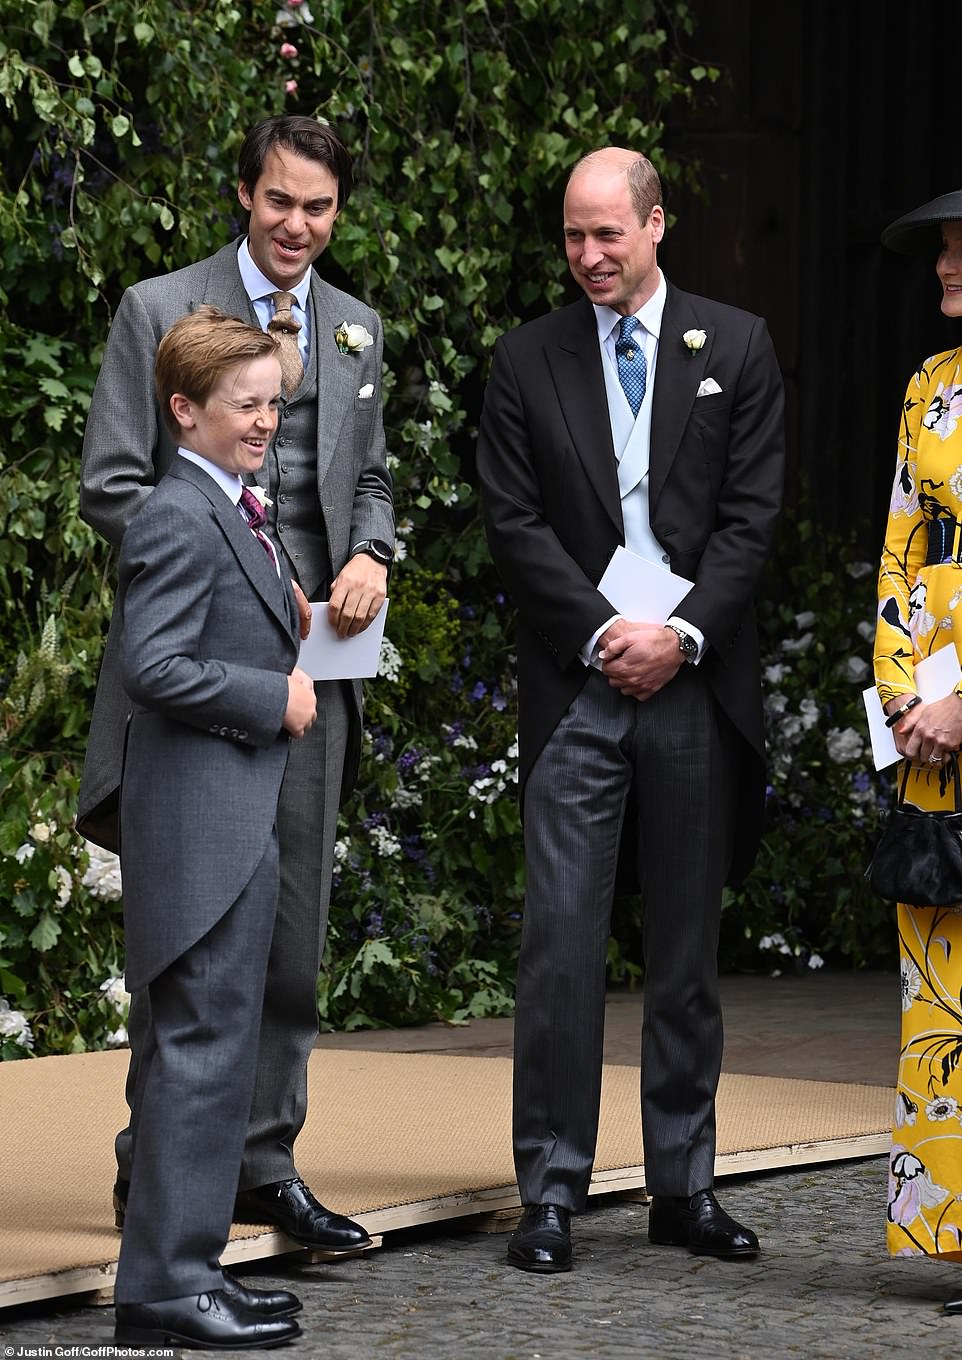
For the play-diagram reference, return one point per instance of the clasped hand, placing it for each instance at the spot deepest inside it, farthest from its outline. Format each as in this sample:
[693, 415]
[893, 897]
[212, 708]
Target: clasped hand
[929, 733]
[639, 658]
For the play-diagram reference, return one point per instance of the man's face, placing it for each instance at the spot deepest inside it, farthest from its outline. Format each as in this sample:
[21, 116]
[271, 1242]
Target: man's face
[292, 206]
[233, 427]
[610, 254]
[949, 268]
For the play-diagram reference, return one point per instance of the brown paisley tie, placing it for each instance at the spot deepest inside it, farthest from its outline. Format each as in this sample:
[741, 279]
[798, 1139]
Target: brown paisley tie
[284, 328]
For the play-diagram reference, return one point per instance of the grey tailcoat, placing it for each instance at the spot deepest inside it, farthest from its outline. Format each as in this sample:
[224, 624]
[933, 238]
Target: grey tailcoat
[210, 637]
[127, 450]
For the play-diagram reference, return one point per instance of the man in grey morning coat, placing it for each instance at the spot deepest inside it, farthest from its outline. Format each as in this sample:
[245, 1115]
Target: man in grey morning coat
[332, 517]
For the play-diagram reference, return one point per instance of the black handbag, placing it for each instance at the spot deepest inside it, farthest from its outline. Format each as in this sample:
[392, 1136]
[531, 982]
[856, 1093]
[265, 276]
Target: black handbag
[918, 858]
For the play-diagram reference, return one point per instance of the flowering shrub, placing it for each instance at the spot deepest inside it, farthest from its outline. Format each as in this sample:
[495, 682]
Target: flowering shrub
[807, 900]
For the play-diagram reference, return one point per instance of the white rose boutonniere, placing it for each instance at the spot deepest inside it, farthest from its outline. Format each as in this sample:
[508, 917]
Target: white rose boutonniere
[352, 339]
[260, 495]
[366, 391]
[695, 340]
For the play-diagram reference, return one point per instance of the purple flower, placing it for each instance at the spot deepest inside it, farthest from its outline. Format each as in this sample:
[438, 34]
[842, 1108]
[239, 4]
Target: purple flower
[479, 691]
[498, 701]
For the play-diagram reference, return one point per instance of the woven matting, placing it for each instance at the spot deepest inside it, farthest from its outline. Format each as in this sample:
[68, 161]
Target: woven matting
[393, 1139]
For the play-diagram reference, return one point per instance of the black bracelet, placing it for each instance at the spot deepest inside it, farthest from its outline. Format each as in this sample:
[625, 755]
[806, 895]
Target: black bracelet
[893, 718]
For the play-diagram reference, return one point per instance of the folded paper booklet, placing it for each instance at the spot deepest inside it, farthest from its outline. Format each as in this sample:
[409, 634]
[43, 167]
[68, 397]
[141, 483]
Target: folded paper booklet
[935, 677]
[641, 590]
[325, 656]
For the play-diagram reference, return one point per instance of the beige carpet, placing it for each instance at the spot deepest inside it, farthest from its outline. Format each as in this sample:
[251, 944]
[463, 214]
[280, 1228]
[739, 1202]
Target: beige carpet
[394, 1139]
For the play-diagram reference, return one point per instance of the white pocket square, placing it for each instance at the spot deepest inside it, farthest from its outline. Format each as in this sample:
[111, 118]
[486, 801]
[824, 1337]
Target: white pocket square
[707, 388]
[368, 390]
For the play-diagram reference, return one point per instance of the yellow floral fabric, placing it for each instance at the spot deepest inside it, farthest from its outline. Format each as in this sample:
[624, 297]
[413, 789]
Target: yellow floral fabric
[919, 611]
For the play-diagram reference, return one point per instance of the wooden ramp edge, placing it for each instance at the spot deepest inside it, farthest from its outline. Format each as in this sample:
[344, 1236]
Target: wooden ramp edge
[395, 1140]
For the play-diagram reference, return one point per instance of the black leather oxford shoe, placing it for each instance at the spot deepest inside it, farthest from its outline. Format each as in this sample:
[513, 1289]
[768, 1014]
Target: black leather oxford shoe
[289, 1205]
[206, 1322]
[542, 1240]
[700, 1224]
[269, 1302]
[953, 1307]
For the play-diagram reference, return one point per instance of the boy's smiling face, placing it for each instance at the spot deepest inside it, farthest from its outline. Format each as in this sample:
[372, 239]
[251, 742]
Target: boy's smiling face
[233, 427]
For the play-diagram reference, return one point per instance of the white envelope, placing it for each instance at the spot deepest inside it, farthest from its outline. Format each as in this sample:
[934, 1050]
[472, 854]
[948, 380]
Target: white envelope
[325, 656]
[707, 388]
[935, 677]
[640, 590]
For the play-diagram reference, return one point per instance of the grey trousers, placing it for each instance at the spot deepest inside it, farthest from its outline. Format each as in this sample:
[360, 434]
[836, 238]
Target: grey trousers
[195, 1079]
[675, 753]
[306, 831]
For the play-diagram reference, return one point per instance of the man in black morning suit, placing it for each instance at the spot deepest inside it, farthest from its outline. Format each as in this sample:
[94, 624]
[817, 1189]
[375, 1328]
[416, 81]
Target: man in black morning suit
[648, 417]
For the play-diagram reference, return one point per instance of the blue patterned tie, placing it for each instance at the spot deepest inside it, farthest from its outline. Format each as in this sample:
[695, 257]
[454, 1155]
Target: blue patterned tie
[632, 366]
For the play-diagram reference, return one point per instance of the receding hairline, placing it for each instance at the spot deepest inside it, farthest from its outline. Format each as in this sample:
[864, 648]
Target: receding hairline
[640, 175]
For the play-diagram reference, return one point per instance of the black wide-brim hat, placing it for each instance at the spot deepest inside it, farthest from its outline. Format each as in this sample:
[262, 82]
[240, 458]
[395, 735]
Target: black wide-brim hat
[917, 233]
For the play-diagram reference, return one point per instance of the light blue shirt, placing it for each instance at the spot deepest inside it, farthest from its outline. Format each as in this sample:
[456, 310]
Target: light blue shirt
[259, 289]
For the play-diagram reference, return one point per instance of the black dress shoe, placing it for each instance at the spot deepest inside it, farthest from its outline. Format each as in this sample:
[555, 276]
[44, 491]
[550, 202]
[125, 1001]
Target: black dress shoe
[953, 1307]
[207, 1322]
[700, 1224]
[268, 1302]
[542, 1240]
[291, 1206]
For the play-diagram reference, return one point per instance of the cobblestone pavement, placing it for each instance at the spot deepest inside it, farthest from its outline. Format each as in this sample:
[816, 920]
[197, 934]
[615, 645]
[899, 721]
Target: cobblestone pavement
[823, 1289]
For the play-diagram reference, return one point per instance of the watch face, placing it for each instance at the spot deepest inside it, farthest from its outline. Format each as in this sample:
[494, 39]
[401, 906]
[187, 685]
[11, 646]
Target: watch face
[381, 550]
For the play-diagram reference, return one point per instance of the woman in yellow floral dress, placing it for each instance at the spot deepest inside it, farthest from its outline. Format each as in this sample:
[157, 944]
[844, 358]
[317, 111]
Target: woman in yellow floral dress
[919, 611]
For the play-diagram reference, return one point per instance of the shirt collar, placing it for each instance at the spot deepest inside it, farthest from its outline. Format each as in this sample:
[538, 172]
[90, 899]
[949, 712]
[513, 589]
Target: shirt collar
[229, 482]
[258, 285]
[649, 315]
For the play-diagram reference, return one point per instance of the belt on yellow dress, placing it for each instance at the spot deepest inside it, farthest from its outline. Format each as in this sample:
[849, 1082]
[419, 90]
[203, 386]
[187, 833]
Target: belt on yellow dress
[944, 542]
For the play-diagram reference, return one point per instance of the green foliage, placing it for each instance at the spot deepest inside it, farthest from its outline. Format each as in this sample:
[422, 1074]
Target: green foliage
[118, 152]
[806, 899]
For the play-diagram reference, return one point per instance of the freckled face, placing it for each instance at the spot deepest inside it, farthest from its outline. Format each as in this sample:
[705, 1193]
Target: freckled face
[949, 268]
[610, 254]
[292, 206]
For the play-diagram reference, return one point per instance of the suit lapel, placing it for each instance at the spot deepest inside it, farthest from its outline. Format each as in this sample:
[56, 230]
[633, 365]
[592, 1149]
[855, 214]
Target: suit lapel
[251, 557]
[223, 286]
[337, 374]
[678, 373]
[575, 364]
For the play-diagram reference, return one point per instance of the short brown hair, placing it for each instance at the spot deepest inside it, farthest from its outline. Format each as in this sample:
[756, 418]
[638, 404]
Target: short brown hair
[306, 137]
[198, 349]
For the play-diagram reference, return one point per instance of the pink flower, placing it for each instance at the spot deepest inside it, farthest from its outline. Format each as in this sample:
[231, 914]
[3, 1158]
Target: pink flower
[294, 3]
[291, 85]
[288, 50]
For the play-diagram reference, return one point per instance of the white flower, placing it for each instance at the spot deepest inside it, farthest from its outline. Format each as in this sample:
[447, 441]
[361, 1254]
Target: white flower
[368, 389]
[25, 852]
[40, 831]
[774, 675]
[341, 848]
[855, 668]
[115, 990]
[103, 873]
[844, 744]
[808, 711]
[351, 339]
[859, 569]
[14, 1025]
[695, 340]
[385, 844]
[911, 983]
[805, 619]
[816, 961]
[404, 527]
[389, 662]
[117, 1037]
[943, 1107]
[400, 550]
[66, 885]
[798, 645]
[260, 495]
[403, 798]
[866, 629]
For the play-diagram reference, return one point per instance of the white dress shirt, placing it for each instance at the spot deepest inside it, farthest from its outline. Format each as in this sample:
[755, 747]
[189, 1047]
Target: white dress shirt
[259, 289]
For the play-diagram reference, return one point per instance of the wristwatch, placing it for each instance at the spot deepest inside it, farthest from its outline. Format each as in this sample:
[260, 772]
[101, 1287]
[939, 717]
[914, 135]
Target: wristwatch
[686, 643]
[375, 547]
